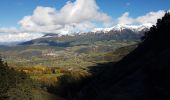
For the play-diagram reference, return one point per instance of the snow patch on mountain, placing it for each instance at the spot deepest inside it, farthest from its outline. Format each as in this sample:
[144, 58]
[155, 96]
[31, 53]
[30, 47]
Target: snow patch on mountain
[28, 36]
[121, 27]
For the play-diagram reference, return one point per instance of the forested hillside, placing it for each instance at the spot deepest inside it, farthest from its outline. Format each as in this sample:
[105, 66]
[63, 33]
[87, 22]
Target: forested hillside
[141, 75]
[14, 85]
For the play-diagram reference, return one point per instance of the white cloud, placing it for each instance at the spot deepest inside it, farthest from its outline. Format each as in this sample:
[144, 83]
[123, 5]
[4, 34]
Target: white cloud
[76, 16]
[125, 19]
[149, 18]
[16, 37]
[8, 30]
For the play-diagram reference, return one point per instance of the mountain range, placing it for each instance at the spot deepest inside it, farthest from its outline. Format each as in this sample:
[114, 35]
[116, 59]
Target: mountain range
[117, 33]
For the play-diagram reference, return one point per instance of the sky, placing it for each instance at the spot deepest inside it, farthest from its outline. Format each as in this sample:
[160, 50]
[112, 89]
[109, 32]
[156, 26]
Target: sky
[27, 19]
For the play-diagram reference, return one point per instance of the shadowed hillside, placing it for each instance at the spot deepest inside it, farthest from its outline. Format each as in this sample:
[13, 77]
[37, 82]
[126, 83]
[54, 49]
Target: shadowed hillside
[14, 85]
[144, 74]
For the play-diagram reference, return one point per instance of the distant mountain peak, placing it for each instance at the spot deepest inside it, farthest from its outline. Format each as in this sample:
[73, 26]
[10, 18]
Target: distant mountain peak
[120, 27]
[50, 35]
